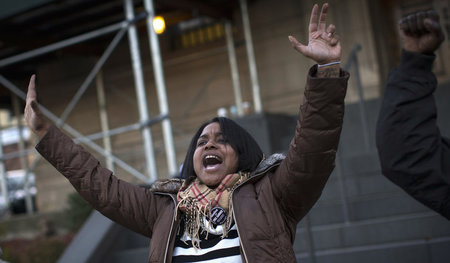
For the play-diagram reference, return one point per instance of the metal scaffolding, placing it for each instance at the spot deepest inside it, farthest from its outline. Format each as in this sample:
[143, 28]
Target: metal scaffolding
[126, 26]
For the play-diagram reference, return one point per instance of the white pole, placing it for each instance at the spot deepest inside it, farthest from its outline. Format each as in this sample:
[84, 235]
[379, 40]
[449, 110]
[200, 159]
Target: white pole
[3, 182]
[251, 57]
[161, 89]
[234, 68]
[104, 118]
[140, 93]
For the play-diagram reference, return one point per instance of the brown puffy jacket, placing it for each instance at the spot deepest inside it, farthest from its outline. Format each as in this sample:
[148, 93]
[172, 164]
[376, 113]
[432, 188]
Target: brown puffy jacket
[267, 207]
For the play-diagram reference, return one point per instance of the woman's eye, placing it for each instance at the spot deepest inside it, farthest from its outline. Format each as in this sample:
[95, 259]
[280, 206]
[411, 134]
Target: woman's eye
[201, 143]
[222, 140]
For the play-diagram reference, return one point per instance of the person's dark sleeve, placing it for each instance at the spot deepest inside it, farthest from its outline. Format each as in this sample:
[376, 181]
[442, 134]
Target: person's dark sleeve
[412, 152]
[127, 204]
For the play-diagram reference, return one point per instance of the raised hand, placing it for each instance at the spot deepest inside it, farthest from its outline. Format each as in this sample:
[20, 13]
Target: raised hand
[421, 32]
[33, 115]
[323, 45]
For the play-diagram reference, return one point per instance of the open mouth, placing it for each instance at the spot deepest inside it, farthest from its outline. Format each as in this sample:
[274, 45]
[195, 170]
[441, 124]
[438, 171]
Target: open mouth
[211, 161]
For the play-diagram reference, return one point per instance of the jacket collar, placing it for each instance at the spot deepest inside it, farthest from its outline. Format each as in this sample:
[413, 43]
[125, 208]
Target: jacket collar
[268, 163]
[172, 186]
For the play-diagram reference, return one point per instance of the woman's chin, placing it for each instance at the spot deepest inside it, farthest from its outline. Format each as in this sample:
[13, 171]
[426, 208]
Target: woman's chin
[211, 180]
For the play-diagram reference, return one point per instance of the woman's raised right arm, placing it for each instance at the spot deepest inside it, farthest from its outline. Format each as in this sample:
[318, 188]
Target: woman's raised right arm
[125, 203]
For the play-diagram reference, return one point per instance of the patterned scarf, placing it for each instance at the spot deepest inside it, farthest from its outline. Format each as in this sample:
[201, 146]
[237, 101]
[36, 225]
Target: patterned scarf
[197, 199]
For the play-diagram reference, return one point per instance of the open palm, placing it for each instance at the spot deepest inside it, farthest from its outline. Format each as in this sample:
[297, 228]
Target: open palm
[34, 118]
[323, 45]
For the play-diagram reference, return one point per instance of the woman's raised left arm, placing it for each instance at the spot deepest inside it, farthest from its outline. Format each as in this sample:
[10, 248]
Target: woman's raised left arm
[300, 179]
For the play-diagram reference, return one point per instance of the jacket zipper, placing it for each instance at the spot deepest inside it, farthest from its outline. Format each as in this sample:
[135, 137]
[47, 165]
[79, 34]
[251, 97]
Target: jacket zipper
[171, 225]
[234, 214]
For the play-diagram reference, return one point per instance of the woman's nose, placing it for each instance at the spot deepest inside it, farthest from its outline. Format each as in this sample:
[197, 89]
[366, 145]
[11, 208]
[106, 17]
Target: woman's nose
[210, 145]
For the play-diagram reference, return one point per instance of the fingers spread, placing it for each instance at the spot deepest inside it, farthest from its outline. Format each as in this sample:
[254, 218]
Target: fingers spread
[323, 17]
[334, 40]
[331, 29]
[294, 41]
[297, 45]
[313, 19]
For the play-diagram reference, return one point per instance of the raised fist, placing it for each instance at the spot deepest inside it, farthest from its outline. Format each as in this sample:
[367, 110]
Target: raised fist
[421, 32]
